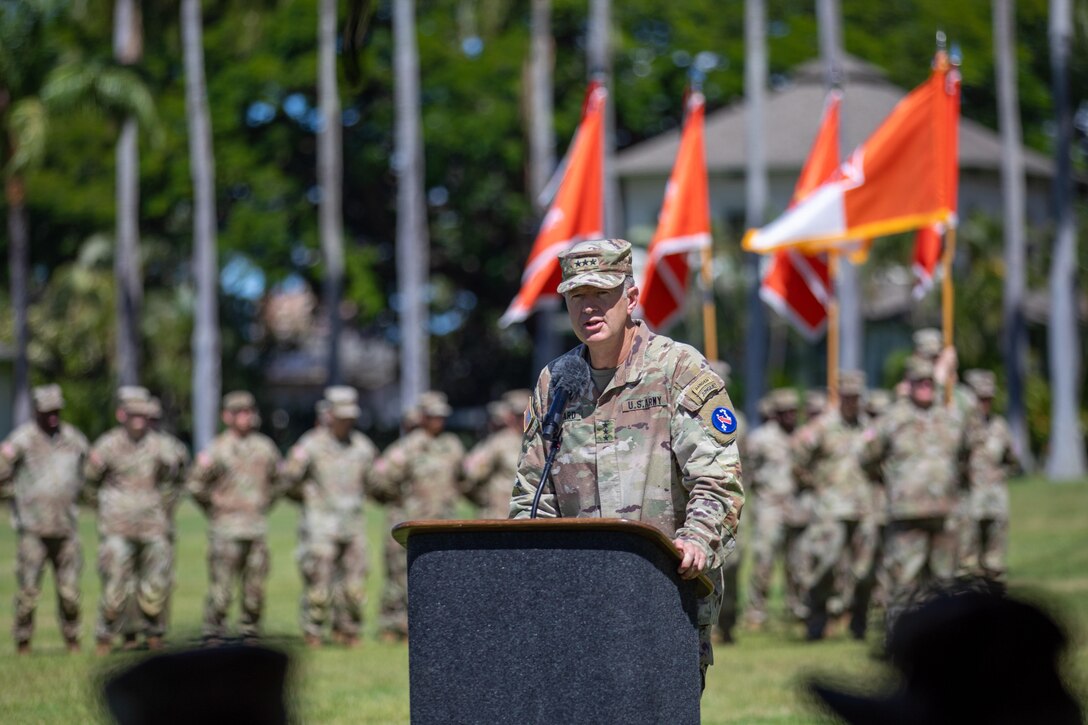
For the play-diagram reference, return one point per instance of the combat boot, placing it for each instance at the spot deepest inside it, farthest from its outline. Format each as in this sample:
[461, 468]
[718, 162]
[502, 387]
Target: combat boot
[22, 647]
[129, 644]
[72, 645]
[102, 647]
[312, 641]
[154, 643]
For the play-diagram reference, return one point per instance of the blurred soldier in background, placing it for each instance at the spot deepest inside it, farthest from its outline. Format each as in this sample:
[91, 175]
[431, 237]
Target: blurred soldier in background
[838, 546]
[330, 469]
[728, 614]
[815, 404]
[130, 475]
[41, 469]
[417, 476]
[984, 536]
[918, 448]
[490, 467]
[771, 489]
[235, 481]
[877, 403]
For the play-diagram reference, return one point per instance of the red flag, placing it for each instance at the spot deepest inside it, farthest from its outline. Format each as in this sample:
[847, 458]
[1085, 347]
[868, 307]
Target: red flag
[577, 213]
[683, 225]
[902, 178]
[796, 285]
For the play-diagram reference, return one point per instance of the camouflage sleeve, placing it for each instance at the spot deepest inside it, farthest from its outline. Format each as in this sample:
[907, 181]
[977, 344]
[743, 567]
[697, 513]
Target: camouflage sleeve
[202, 475]
[804, 449]
[704, 442]
[293, 470]
[94, 470]
[531, 462]
[1010, 460]
[475, 470]
[389, 472]
[10, 453]
[872, 453]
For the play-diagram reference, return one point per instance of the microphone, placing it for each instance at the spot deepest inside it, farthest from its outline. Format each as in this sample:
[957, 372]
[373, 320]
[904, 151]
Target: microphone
[570, 378]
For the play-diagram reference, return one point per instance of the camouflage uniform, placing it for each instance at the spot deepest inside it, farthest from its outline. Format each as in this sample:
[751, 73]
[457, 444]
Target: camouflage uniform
[489, 467]
[777, 508]
[984, 537]
[43, 474]
[919, 453]
[332, 476]
[235, 481]
[417, 476]
[839, 545]
[132, 482]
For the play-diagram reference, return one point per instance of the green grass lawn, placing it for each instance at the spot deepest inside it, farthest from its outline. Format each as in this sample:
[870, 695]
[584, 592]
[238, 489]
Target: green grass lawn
[757, 680]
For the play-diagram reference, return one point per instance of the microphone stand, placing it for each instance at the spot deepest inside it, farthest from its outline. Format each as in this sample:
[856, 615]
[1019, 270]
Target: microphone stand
[546, 472]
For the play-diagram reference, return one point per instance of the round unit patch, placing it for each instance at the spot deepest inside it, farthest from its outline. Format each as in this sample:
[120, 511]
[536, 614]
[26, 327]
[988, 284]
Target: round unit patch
[724, 420]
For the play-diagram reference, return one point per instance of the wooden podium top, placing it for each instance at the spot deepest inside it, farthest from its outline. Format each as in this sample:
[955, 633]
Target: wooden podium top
[403, 531]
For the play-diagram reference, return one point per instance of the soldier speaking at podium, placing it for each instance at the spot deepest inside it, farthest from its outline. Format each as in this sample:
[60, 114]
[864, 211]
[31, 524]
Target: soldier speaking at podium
[653, 440]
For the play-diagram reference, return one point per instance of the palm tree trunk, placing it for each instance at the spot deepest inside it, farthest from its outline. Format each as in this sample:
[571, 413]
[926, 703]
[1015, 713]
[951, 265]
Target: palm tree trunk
[207, 380]
[19, 269]
[1066, 461]
[1014, 338]
[128, 48]
[541, 117]
[599, 62]
[851, 321]
[330, 177]
[755, 85]
[412, 240]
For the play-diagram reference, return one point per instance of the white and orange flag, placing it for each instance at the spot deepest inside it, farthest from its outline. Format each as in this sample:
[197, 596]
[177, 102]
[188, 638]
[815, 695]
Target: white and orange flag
[683, 225]
[577, 213]
[797, 285]
[902, 178]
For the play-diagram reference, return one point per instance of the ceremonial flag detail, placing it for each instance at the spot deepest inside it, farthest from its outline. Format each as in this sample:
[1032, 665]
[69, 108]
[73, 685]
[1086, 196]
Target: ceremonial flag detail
[683, 225]
[576, 214]
[797, 285]
[927, 255]
[902, 178]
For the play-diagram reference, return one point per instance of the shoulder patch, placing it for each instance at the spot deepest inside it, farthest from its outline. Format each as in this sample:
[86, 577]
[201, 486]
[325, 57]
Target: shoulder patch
[701, 389]
[528, 420]
[720, 420]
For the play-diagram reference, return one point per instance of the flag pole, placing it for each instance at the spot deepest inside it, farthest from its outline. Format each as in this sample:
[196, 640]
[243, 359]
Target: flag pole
[948, 297]
[710, 317]
[832, 328]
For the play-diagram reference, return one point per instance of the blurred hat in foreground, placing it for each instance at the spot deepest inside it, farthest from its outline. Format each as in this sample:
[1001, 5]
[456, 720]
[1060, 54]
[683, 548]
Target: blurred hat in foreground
[968, 657]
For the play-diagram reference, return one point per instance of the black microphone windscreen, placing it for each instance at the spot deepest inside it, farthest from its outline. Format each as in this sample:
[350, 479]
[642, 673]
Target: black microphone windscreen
[570, 373]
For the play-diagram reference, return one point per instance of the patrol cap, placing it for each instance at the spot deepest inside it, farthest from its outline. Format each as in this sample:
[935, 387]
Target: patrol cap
[815, 400]
[410, 417]
[345, 410]
[497, 410]
[919, 368]
[517, 400]
[138, 406]
[239, 400]
[982, 382]
[132, 392]
[434, 403]
[47, 398]
[341, 394]
[878, 401]
[928, 342]
[766, 408]
[784, 399]
[600, 263]
[851, 382]
[155, 406]
[322, 406]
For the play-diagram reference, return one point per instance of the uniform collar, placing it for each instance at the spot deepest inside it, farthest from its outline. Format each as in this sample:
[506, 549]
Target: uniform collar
[632, 369]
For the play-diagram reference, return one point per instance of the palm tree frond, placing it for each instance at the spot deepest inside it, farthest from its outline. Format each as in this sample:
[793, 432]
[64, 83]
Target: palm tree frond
[28, 126]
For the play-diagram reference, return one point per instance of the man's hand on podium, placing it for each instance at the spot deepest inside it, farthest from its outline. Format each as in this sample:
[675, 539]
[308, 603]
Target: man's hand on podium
[694, 561]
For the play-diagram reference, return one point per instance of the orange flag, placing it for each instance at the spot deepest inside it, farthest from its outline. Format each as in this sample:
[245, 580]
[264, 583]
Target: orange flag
[577, 213]
[797, 285]
[902, 178]
[683, 225]
[927, 255]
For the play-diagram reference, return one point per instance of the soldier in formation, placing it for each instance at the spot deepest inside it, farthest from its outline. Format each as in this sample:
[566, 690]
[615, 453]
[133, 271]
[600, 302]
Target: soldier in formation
[417, 476]
[984, 534]
[131, 477]
[730, 609]
[235, 482]
[489, 468]
[41, 471]
[838, 547]
[330, 470]
[777, 516]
